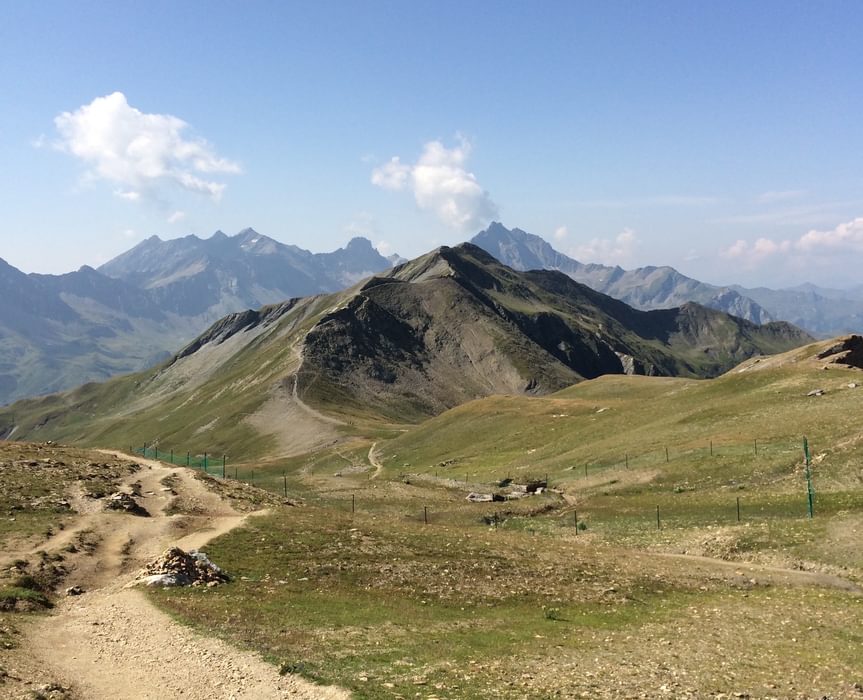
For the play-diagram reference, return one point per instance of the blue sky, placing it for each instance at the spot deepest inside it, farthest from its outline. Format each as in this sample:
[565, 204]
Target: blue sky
[721, 138]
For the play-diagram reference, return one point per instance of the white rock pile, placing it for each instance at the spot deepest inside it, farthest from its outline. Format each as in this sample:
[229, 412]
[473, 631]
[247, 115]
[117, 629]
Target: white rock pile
[178, 568]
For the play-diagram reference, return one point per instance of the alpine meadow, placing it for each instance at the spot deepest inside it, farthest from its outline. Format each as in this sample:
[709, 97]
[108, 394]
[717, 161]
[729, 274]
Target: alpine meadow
[386, 444]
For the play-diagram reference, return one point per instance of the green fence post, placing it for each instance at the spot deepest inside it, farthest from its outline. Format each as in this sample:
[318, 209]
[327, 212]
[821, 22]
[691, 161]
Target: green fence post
[172, 456]
[223, 466]
[188, 458]
[205, 461]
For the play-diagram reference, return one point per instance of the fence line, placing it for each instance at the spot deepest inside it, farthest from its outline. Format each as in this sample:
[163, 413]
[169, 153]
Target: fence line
[207, 462]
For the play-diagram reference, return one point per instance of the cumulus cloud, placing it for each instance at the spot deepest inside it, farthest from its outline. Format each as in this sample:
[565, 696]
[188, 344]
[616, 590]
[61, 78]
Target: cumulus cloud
[847, 237]
[560, 233]
[608, 251]
[138, 152]
[440, 183]
[176, 217]
[844, 238]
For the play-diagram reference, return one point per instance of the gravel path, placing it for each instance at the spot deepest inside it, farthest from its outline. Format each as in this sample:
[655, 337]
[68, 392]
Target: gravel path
[111, 643]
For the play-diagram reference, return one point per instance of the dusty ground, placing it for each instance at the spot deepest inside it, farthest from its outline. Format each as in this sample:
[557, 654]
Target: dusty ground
[110, 642]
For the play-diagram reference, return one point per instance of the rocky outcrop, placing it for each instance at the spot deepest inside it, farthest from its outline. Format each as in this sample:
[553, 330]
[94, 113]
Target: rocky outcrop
[848, 351]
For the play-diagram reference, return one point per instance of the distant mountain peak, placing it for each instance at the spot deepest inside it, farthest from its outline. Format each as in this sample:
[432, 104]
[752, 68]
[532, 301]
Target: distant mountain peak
[645, 288]
[359, 243]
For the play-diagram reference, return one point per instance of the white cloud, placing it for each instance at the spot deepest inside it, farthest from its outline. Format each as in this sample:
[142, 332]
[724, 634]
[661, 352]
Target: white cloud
[392, 175]
[176, 217]
[847, 237]
[384, 248]
[560, 233]
[139, 152]
[839, 241]
[130, 233]
[608, 251]
[440, 183]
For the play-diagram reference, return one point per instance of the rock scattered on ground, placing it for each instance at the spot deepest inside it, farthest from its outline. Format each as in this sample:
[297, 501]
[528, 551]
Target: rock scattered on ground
[124, 502]
[178, 568]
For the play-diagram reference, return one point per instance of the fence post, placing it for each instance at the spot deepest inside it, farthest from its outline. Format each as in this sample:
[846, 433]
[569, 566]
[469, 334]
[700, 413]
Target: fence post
[711, 448]
[575, 519]
[756, 447]
[285, 478]
[809, 494]
[353, 501]
[172, 456]
[188, 458]
[658, 527]
[626, 455]
[426, 514]
[666, 455]
[157, 452]
[205, 461]
[223, 466]
[738, 509]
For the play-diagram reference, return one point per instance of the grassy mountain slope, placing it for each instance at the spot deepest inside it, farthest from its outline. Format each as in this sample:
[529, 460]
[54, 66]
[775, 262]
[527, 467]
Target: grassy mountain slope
[393, 580]
[449, 327]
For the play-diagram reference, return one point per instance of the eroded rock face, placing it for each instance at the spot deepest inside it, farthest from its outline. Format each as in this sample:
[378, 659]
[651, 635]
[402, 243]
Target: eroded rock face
[178, 568]
[849, 352]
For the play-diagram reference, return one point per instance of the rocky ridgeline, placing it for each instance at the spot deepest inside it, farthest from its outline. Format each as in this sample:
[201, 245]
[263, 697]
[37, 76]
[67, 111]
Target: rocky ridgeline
[178, 568]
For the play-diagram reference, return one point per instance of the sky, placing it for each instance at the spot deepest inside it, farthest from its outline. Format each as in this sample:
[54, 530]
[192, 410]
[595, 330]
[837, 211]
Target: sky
[723, 139]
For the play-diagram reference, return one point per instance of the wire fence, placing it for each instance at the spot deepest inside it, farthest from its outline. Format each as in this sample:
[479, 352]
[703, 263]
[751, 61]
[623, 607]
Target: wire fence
[207, 462]
[766, 461]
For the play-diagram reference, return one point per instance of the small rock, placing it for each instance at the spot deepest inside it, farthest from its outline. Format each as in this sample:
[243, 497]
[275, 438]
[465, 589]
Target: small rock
[816, 392]
[74, 590]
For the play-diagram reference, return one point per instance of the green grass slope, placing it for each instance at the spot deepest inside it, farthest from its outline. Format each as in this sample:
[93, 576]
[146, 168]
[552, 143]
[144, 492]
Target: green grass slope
[452, 326]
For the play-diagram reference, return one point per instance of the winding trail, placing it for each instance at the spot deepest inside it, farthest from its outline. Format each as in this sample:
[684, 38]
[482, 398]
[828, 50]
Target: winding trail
[111, 643]
[375, 462]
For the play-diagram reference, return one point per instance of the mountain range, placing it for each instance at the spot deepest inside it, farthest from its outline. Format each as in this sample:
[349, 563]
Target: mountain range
[59, 331]
[823, 312]
[448, 327]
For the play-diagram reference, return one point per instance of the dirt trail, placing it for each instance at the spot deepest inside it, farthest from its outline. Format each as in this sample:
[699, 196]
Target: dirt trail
[112, 643]
[374, 461]
[764, 573]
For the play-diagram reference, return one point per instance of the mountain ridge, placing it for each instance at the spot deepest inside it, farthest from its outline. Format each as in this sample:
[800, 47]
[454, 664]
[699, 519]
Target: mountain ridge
[822, 312]
[59, 331]
[450, 326]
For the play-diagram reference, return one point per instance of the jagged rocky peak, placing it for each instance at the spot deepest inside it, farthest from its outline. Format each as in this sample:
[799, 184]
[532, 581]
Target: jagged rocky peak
[359, 243]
